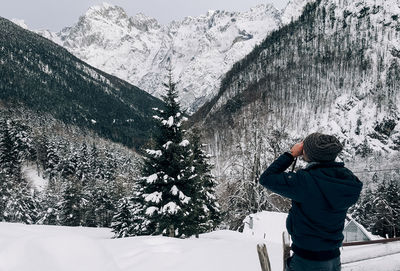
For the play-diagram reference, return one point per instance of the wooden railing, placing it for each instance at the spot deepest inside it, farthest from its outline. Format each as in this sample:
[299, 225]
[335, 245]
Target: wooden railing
[380, 241]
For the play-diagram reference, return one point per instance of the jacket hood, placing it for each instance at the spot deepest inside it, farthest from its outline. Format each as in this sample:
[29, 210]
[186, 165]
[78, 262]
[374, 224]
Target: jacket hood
[339, 186]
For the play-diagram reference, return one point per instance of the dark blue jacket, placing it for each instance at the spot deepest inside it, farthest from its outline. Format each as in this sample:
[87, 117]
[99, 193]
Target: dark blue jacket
[321, 195]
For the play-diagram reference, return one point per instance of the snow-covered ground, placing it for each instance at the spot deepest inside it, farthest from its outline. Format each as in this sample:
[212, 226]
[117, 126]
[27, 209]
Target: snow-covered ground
[31, 174]
[54, 248]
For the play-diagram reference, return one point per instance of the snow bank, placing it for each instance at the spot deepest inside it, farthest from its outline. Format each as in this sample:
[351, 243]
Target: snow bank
[54, 248]
[46, 248]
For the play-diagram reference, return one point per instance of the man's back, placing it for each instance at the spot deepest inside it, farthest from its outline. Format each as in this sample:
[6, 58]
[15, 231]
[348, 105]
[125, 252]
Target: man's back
[321, 195]
[329, 190]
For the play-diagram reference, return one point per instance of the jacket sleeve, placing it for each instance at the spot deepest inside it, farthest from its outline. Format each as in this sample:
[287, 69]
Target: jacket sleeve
[275, 178]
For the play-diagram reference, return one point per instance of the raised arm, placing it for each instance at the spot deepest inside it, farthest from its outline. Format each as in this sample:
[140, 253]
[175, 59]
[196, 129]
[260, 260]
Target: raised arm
[289, 184]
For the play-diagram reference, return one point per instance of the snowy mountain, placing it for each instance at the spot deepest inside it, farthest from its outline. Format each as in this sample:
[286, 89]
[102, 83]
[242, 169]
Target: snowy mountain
[335, 70]
[138, 49]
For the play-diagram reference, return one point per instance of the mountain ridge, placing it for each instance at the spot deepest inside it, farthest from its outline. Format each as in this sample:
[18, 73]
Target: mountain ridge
[334, 70]
[138, 49]
[45, 77]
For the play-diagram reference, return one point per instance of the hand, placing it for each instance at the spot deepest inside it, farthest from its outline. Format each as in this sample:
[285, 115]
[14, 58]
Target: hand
[297, 150]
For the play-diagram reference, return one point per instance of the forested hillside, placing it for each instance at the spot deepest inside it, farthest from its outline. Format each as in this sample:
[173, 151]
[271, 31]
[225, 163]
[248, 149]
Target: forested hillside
[335, 70]
[44, 77]
[58, 174]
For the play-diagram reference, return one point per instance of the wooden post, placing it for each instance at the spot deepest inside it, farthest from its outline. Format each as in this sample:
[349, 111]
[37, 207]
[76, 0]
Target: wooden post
[286, 247]
[263, 257]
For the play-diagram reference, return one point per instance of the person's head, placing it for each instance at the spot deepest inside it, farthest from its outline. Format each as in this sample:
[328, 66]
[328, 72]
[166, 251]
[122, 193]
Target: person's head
[321, 148]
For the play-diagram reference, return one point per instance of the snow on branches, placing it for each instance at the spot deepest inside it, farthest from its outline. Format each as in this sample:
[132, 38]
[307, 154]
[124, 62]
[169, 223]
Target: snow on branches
[170, 208]
[153, 197]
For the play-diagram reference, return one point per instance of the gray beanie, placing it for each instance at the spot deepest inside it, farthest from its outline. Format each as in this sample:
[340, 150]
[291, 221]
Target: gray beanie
[322, 148]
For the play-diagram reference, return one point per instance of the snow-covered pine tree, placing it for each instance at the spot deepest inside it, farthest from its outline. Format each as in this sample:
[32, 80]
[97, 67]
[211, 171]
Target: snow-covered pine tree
[164, 194]
[363, 210]
[52, 160]
[18, 204]
[104, 202]
[7, 163]
[50, 207]
[123, 219]
[41, 143]
[71, 207]
[95, 164]
[82, 168]
[10, 159]
[386, 209]
[206, 212]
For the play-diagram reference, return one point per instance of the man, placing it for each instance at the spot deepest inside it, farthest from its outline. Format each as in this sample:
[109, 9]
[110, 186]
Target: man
[321, 194]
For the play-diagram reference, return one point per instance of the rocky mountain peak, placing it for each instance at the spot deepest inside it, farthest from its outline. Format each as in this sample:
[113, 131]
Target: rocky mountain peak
[136, 48]
[144, 22]
[105, 14]
[107, 11]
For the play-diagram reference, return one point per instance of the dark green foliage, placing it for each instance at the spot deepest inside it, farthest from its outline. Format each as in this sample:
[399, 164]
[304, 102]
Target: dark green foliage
[17, 203]
[72, 203]
[82, 185]
[122, 220]
[46, 78]
[386, 210]
[103, 202]
[207, 211]
[50, 205]
[379, 210]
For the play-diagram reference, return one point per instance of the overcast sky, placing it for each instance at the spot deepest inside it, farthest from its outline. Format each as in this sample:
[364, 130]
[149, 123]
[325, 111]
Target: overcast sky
[57, 14]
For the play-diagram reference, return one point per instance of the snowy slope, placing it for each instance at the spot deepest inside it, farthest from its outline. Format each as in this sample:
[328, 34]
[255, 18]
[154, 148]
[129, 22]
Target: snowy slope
[354, 95]
[54, 248]
[293, 10]
[202, 49]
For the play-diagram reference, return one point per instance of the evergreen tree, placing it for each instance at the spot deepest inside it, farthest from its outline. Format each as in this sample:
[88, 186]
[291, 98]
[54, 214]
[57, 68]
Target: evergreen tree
[72, 204]
[82, 167]
[386, 209]
[10, 158]
[18, 204]
[41, 145]
[50, 205]
[7, 162]
[206, 210]
[52, 160]
[104, 203]
[94, 164]
[123, 219]
[165, 192]
[363, 210]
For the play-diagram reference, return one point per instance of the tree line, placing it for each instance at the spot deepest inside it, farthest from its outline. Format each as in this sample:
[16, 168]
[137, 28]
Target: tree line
[83, 182]
[96, 183]
[378, 208]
